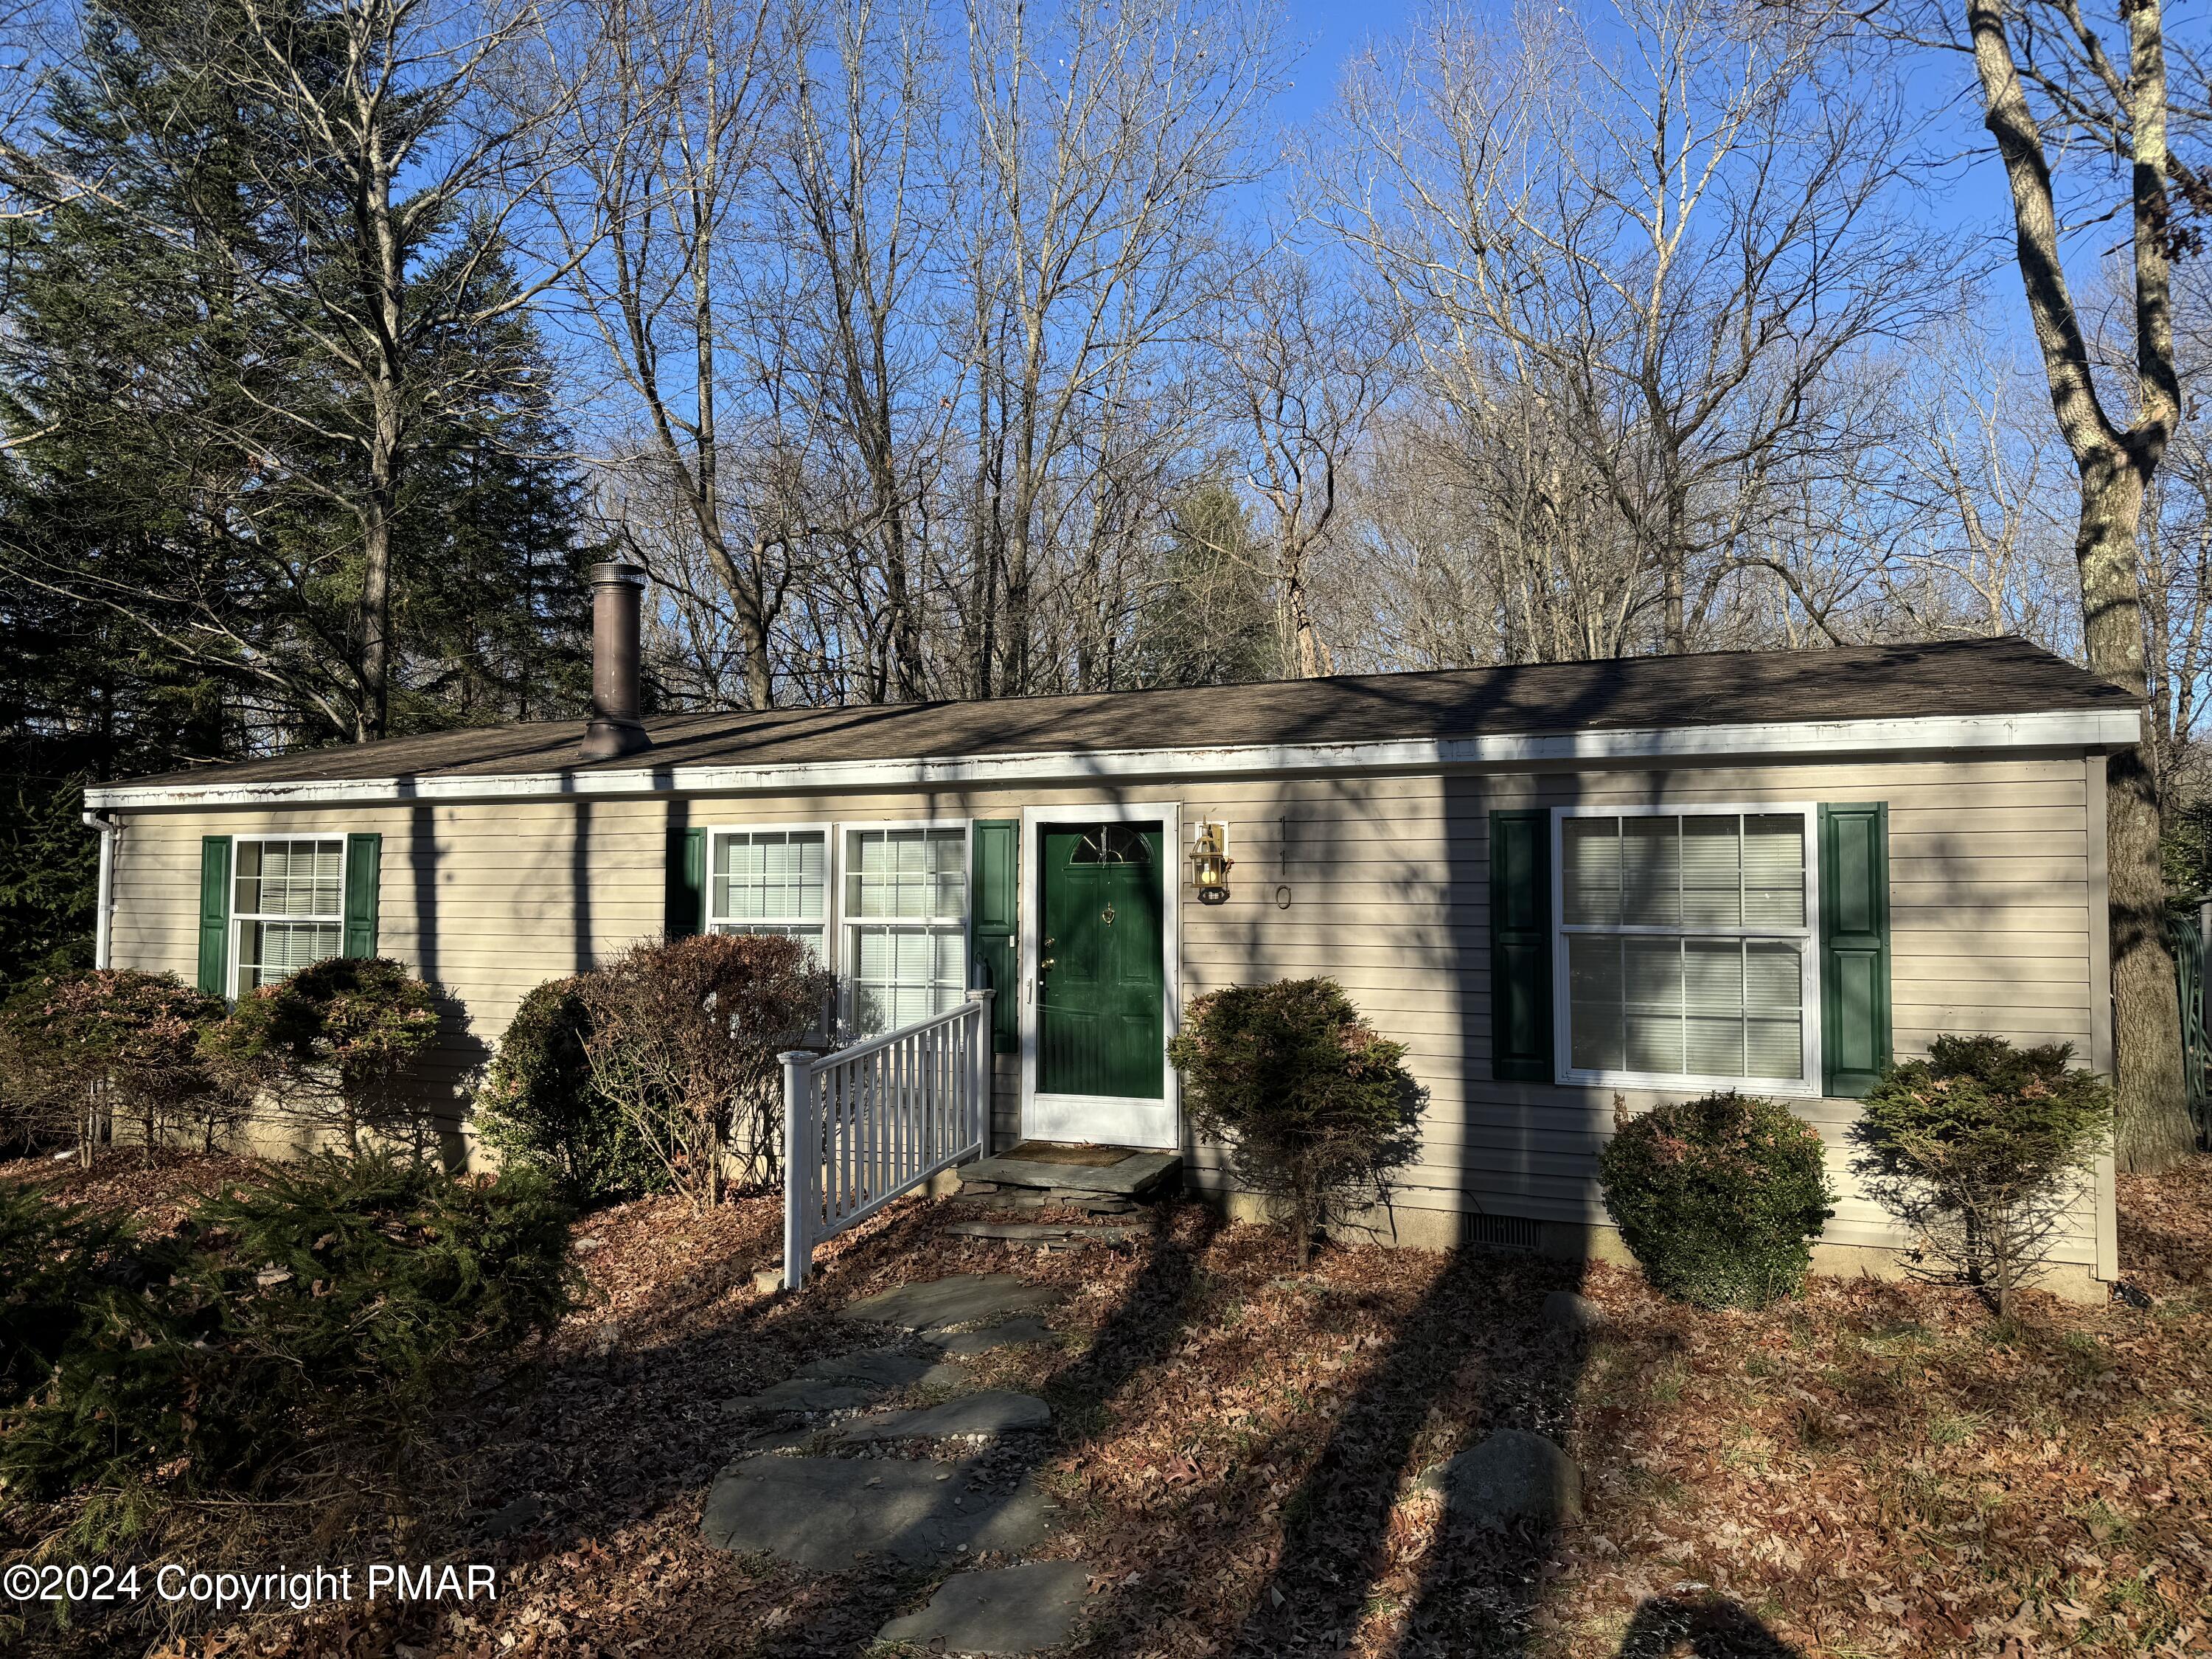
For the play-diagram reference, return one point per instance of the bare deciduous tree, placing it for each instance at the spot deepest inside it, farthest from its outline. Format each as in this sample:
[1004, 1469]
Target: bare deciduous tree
[371, 160]
[1971, 473]
[671, 100]
[856, 178]
[392, 150]
[1305, 366]
[1103, 141]
[1663, 233]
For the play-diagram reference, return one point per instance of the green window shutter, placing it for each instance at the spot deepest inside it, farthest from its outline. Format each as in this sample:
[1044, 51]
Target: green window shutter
[1854, 947]
[364, 862]
[687, 882]
[1521, 946]
[214, 914]
[994, 899]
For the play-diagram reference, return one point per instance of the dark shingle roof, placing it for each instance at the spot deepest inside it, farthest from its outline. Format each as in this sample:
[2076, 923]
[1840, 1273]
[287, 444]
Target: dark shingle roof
[1959, 678]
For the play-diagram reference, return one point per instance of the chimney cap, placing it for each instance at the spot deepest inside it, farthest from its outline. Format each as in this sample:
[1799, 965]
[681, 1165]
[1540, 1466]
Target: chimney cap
[608, 573]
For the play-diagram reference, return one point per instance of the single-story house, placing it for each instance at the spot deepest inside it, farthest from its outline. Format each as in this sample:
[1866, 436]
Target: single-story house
[1560, 884]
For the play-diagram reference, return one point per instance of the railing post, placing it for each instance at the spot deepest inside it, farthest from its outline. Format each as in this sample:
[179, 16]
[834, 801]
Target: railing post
[801, 1146]
[978, 1128]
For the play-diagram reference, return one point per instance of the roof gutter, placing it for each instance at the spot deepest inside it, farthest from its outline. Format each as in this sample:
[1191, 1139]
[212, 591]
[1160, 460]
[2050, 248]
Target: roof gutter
[2065, 729]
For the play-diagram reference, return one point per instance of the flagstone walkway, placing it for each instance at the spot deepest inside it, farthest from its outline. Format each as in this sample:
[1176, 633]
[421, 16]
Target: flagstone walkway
[831, 1479]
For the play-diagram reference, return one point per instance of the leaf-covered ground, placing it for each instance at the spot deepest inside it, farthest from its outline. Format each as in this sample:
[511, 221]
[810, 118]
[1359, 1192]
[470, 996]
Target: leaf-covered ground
[1876, 1469]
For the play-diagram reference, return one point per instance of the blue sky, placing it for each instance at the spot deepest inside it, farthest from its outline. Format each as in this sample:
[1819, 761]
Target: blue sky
[1330, 31]
[1965, 194]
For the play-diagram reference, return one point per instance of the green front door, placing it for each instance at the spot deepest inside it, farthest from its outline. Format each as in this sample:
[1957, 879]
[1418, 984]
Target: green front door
[1101, 975]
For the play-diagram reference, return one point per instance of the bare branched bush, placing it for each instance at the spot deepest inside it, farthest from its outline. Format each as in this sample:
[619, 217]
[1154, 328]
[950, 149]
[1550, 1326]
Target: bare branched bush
[684, 1041]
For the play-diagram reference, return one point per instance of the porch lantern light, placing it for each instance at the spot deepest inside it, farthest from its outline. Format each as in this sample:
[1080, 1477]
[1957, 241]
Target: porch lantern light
[1210, 863]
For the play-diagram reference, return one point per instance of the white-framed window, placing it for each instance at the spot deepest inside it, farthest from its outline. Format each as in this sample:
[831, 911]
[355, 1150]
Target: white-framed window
[771, 879]
[1687, 946]
[287, 906]
[904, 921]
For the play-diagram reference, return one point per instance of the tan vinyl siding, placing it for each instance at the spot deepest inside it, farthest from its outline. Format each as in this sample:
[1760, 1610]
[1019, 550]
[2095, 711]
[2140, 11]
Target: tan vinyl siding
[1381, 881]
[1388, 892]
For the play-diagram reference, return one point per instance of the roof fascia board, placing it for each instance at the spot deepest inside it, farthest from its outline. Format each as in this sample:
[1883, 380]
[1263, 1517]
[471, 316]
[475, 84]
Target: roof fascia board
[2056, 729]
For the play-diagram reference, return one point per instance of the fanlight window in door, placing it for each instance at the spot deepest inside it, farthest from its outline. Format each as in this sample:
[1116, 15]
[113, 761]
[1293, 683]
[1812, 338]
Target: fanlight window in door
[906, 923]
[1112, 843]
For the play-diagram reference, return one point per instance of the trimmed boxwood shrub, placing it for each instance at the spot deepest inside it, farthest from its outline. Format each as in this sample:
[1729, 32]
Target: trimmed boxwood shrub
[1314, 1106]
[1719, 1198]
[308, 1316]
[538, 1108]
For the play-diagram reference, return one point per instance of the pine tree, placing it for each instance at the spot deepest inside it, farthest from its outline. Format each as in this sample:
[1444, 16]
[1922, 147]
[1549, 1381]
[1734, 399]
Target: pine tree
[181, 555]
[1210, 619]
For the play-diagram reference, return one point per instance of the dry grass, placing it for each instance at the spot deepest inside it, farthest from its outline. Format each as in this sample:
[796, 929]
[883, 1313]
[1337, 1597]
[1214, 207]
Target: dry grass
[1875, 1469]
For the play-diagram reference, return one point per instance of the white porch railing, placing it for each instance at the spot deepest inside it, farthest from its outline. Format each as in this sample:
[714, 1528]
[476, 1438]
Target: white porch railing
[868, 1123]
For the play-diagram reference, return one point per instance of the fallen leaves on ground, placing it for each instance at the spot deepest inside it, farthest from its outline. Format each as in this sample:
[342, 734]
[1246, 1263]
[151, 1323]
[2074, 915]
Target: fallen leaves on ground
[1876, 1468]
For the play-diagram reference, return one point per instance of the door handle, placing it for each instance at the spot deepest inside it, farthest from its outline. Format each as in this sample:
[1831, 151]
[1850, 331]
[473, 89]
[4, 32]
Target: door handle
[1046, 966]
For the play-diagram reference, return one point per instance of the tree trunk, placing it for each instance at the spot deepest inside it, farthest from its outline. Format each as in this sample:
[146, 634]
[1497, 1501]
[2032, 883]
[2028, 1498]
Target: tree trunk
[1676, 618]
[2150, 1128]
[701, 487]
[373, 718]
[1312, 655]
[2150, 1119]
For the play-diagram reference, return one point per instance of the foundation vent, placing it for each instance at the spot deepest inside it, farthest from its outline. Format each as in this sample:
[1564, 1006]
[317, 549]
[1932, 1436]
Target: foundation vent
[1502, 1232]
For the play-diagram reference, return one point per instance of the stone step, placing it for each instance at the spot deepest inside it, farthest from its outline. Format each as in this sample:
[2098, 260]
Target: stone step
[1018, 1198]
[958, 1299]
[990, 1412]
[1004, 1334]
[807, 1395]
[1003, 1610]
[831, 1513]
[849, 1381]
[1044, 1233]
[1065, 1175]
[885, 1366]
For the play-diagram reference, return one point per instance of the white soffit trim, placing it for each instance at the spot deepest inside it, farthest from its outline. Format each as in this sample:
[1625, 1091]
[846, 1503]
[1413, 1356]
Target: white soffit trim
[2059, 729]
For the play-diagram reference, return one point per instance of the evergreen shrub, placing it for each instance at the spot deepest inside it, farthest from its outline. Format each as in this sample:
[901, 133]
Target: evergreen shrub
[305, 1315]
[1719, 1198]
[1315, 1107]
[334, 1043]
[540, 1109]
[1981, 1149]
[80, 1052]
